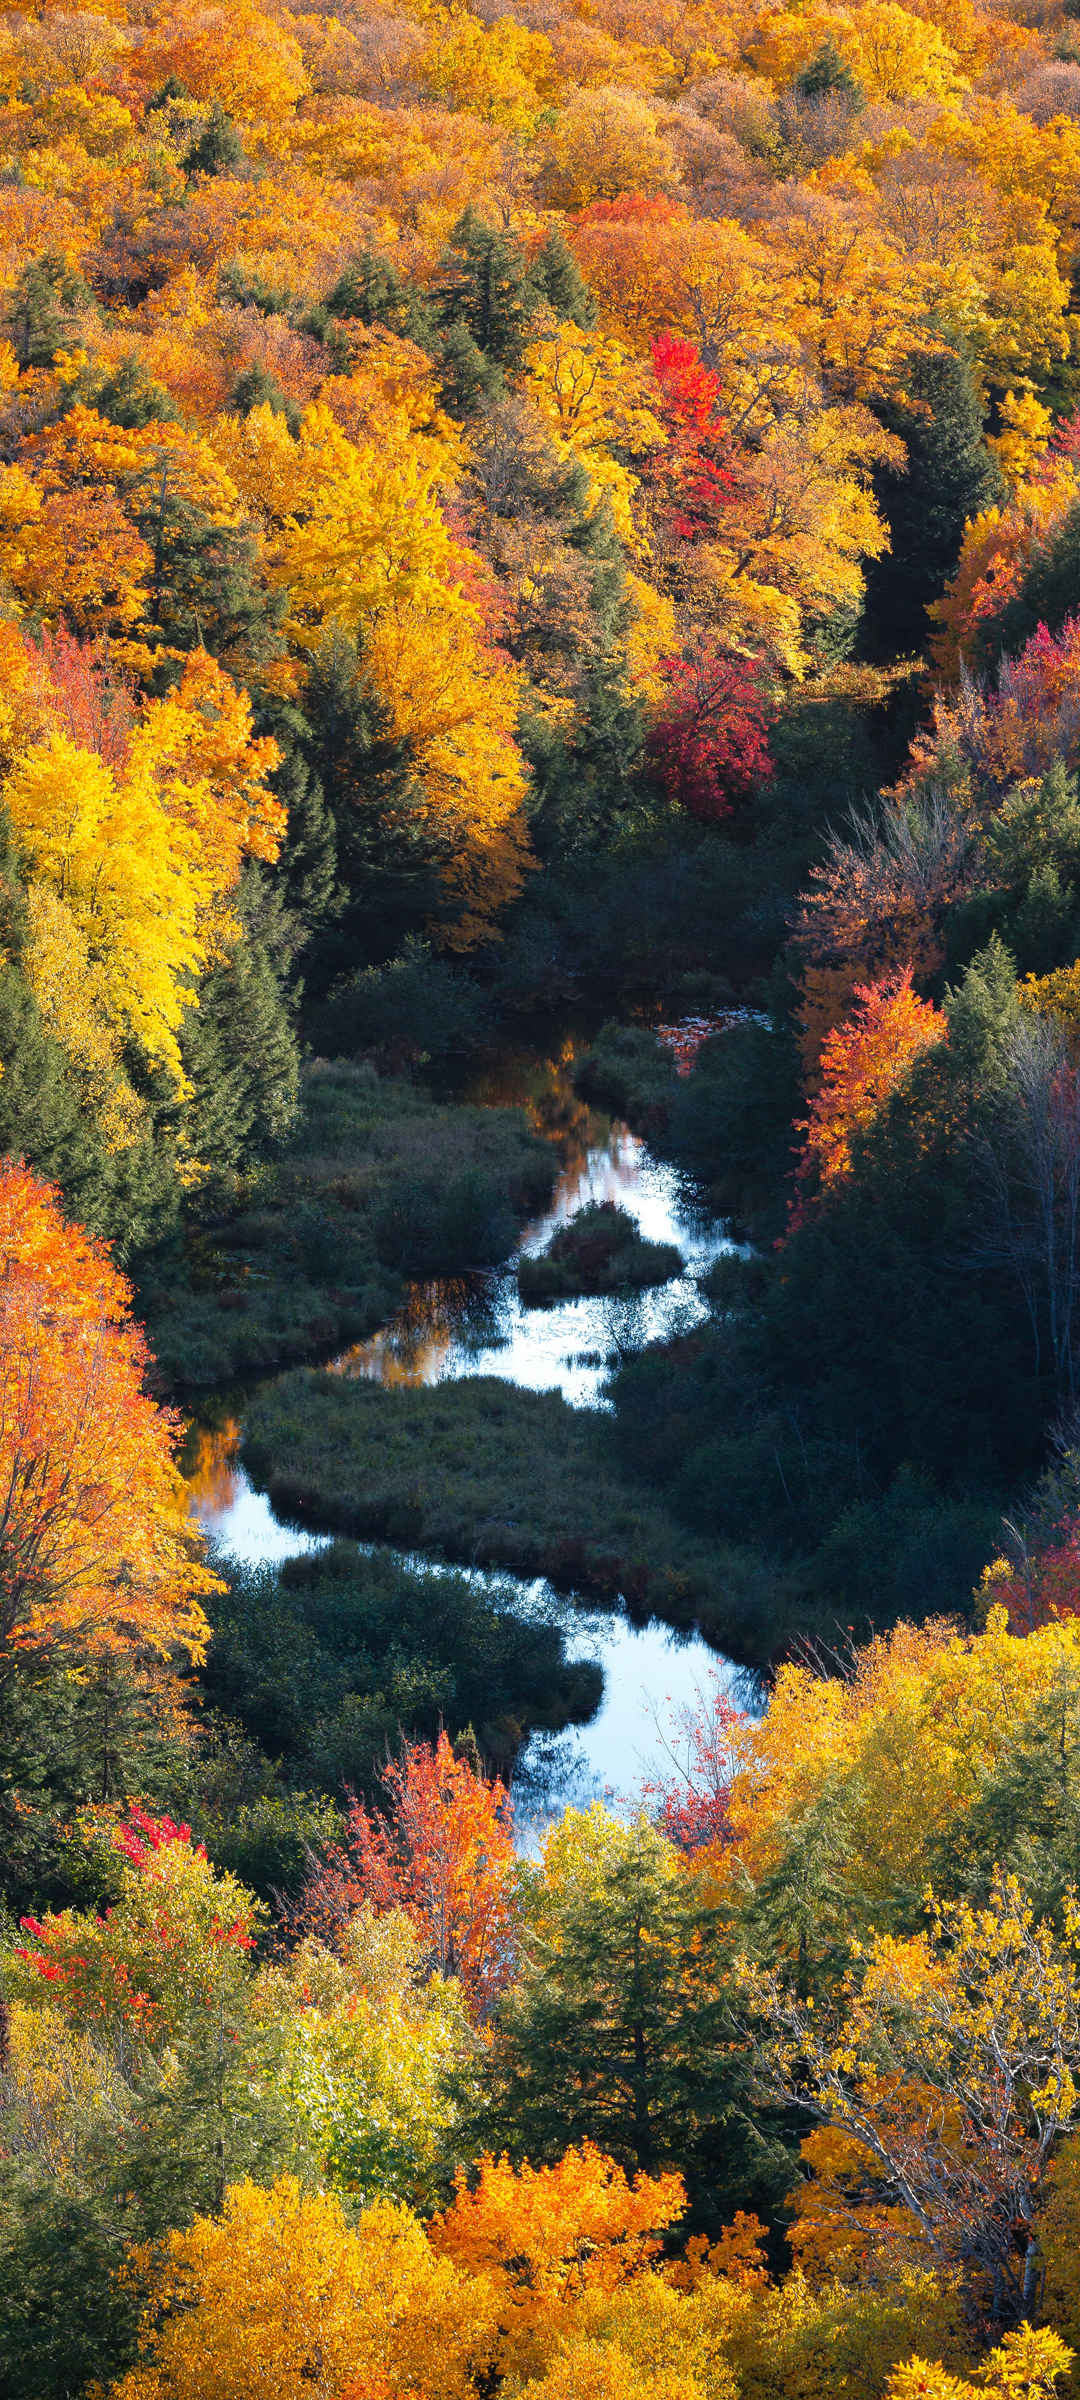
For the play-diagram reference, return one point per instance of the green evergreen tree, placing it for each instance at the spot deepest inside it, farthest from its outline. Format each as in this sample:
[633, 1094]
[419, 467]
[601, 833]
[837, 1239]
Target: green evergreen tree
[485, 284]
[557, 278]
[218, 149]
[982, 1013]
[389, 857]
[257, 388]
[129, 398]
[41, 310]
[304, 877]
[950, 475]
[467, 378]
[372, 290]
[593, 786]
[1049, 592]
[41, 1117]
[618, 2033]
[207, 590]
[241, 1056]
[828, 73]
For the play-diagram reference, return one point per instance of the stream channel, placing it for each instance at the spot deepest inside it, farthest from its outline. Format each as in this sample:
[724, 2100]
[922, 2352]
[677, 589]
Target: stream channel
[449, 1328]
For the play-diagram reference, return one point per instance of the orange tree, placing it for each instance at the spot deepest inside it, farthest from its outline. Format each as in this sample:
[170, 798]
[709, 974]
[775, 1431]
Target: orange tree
[95, 1537]
[442, 1850]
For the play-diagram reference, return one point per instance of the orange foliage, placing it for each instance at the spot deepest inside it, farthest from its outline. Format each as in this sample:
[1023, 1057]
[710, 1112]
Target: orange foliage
[863, 1061]
[444, 1853]
[547, 2236]
[95, 1538]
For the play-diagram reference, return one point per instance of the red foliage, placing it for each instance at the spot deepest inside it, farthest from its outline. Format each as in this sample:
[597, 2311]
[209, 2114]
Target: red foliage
[443, 1852]
[691, 1803]
[142, 1835]
[631, 208]
[1044, 1587]
[94, 705]
[692, 473]
[710, 744]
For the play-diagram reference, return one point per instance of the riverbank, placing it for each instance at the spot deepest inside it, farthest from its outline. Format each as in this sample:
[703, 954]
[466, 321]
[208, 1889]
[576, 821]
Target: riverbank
[380, 1182]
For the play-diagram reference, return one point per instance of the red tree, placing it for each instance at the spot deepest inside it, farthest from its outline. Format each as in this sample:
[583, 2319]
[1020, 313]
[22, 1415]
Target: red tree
[709, 747]
[692, 475]
[442, 1851]
[863, 1061]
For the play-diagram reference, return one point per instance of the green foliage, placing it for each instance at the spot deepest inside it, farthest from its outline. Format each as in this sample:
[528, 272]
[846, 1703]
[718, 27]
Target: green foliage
[480, 1472]
[257, 388]
[1049, 592]
[617, 2030]
[417, 1010]
[389, 857]
[130, 398]
[485, 287]
[600, 1250]
[241, 1056]
[948, 477]
[64, 2320]
[1028, 895]
[730, 1121]
[828, 73]
[375, 1180]
[41, 310]
[218, 149]
[332, 1662]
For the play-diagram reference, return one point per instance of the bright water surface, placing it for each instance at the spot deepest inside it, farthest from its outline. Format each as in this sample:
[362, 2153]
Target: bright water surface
[450, 1328]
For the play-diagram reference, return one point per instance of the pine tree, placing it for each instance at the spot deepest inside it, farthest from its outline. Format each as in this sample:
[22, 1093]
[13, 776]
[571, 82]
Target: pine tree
[373, 291]
[218, 149]
[241, 1055]
[257, 388]
[128, 397]
[41, 309]
[40, 1115]
[485, 285]
[616, 2032]
[389, 857]
[950, 475]
[557, 278]
[827, 72]
[1049, 593]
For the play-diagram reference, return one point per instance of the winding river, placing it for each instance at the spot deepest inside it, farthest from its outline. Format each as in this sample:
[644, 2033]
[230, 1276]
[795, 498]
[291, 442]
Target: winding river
[476, 1325]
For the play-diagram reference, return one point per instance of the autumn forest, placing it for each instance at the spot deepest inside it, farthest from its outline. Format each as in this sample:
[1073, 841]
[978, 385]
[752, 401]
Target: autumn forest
[540, 1200]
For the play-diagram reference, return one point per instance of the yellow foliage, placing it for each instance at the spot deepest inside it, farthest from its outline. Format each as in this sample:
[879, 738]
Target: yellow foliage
[1026, 427]
[594, 396]
[281, 2296]
[136, 857]
[897, 55]
[1027, 2365]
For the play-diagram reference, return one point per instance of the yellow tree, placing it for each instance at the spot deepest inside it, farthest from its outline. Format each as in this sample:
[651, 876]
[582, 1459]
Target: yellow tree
[280, 2296]
[356, 536]
[138, 853]
[953, 2060]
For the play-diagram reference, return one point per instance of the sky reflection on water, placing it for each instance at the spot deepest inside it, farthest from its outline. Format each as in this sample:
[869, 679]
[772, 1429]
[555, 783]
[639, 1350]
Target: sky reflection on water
[476, 1325]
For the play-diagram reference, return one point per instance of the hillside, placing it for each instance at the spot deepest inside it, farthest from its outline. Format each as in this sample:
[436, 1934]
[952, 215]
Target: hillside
[539, 1037]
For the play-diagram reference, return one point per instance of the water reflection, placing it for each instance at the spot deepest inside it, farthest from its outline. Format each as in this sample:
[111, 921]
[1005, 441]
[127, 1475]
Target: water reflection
[478, 1325]
[647, 1669]
[453, 1327]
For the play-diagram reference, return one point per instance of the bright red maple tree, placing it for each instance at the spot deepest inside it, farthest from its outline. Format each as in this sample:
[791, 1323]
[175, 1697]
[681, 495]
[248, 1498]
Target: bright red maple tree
[709, 746]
